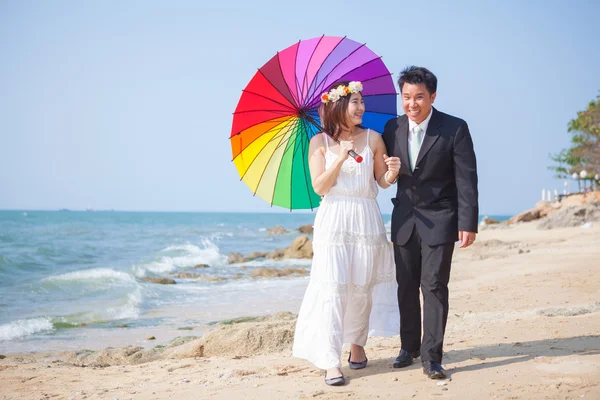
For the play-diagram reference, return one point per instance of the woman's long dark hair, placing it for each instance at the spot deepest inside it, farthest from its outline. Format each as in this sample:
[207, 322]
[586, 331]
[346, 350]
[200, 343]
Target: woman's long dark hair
[334, 114]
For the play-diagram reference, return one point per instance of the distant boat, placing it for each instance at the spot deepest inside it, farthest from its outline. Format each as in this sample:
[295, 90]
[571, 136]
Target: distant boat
[64, 210]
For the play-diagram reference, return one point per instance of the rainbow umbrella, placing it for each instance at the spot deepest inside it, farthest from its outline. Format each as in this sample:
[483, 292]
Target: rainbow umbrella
[277, 114]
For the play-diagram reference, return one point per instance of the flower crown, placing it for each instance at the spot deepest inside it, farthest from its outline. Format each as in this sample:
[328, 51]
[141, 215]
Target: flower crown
[335, 93]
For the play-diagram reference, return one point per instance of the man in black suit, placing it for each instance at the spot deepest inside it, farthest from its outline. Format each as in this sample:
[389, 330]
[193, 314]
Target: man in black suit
[435, 205]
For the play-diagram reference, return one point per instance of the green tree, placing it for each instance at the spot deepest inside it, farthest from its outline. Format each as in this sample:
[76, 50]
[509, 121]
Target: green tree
[584, 153]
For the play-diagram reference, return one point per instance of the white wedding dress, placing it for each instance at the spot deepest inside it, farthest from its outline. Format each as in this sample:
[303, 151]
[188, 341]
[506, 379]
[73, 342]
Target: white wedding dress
[352, 291]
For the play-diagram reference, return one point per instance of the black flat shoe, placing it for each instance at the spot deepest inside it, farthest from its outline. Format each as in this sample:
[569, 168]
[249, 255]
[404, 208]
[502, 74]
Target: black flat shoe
[433, 370]
[337, 381]
[357, 365]
[405, 358]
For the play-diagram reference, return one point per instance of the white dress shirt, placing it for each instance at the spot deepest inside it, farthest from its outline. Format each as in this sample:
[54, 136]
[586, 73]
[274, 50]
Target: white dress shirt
[412, 124]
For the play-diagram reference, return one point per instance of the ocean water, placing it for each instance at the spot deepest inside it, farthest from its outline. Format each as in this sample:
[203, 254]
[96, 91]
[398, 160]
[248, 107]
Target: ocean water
[71, 280]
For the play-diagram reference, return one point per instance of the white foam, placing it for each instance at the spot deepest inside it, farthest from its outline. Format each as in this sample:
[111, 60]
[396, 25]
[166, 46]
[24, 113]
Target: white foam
[193, 255]
[94, 274]
[24, 327]
[130, 310]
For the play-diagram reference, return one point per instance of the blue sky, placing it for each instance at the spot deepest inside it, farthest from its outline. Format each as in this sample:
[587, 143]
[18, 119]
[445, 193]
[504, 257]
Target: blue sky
[128, 105]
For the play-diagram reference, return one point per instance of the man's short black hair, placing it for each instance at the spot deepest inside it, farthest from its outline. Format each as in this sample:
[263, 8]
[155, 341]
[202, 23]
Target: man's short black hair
[415, 75]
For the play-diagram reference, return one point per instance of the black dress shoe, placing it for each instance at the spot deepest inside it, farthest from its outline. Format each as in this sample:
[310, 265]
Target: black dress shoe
[433, 370]
[357, 365]
[405, 358]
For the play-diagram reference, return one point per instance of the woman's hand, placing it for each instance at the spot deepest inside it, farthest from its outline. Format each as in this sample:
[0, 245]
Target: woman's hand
[393, 167]
[345, 147]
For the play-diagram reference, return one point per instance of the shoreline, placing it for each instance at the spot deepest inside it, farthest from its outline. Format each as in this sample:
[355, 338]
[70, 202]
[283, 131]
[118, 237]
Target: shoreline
[174, 319]
[524, 312]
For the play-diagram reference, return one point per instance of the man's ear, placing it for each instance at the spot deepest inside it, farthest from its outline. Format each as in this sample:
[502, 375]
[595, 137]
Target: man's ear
[433, 97]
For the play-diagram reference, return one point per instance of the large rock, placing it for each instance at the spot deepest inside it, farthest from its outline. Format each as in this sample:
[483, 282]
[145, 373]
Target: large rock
[301, 247]
[545, 208]
[187, 275]
[490, 221]
[129, 355]
[255, 255]
[306, 229]
[276, 272]
[277, 230]
[572, 216]
[161, 281]
[240, 337]
[236, 258]
[184, 347]
[273, 334]
[541, 209]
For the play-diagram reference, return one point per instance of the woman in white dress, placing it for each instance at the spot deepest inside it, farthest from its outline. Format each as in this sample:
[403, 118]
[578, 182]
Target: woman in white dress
[352, 291]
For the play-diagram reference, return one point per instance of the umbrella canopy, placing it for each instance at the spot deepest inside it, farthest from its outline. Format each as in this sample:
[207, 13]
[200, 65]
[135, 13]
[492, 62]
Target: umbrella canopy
[277, 114]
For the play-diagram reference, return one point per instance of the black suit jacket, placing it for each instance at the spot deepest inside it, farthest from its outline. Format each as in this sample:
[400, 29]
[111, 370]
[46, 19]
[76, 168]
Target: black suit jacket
[440, 196]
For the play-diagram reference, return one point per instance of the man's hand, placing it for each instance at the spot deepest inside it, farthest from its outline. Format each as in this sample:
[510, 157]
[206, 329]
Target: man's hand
[466, 238]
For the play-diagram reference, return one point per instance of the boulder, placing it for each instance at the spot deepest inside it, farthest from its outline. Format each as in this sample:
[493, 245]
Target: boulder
[234, 258]
[250, 338]
[301, 247]
[490, 221]
[541, 209]
[276, 272]
[306, 229]
[161, 281]
[277, 230]
[572, 216]
[255, 255]
[187, 275]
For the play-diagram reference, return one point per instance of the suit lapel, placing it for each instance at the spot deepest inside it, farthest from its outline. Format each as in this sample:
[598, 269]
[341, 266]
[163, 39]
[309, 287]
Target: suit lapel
[402, 140]
[432, 134]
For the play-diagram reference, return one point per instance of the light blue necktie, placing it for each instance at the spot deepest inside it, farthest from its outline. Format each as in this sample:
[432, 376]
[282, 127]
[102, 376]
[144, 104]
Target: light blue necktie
[415, 146]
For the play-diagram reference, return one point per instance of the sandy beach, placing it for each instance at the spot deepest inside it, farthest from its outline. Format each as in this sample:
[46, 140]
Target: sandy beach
[524, 324]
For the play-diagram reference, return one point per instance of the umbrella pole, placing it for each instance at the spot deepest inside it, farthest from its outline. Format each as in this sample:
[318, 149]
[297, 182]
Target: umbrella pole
[352, 153]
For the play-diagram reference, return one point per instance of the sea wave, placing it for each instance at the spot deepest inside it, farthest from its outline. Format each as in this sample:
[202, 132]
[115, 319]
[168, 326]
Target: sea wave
[185, 256]
[131, 309]
[25, 327]
[94, 274]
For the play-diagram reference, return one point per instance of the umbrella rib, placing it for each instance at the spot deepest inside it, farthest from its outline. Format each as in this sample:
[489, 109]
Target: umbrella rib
[298, 88]
[300, 148]
[316, 99]
[318, 87]
[284, 152]
[307, 64]
[270, 99]
[294, 92]
[292, 126]
[308, 187]
[270, 157]
[249, 111]
[309, 94]
[256, 138]
[261, 150]
[275, 87]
